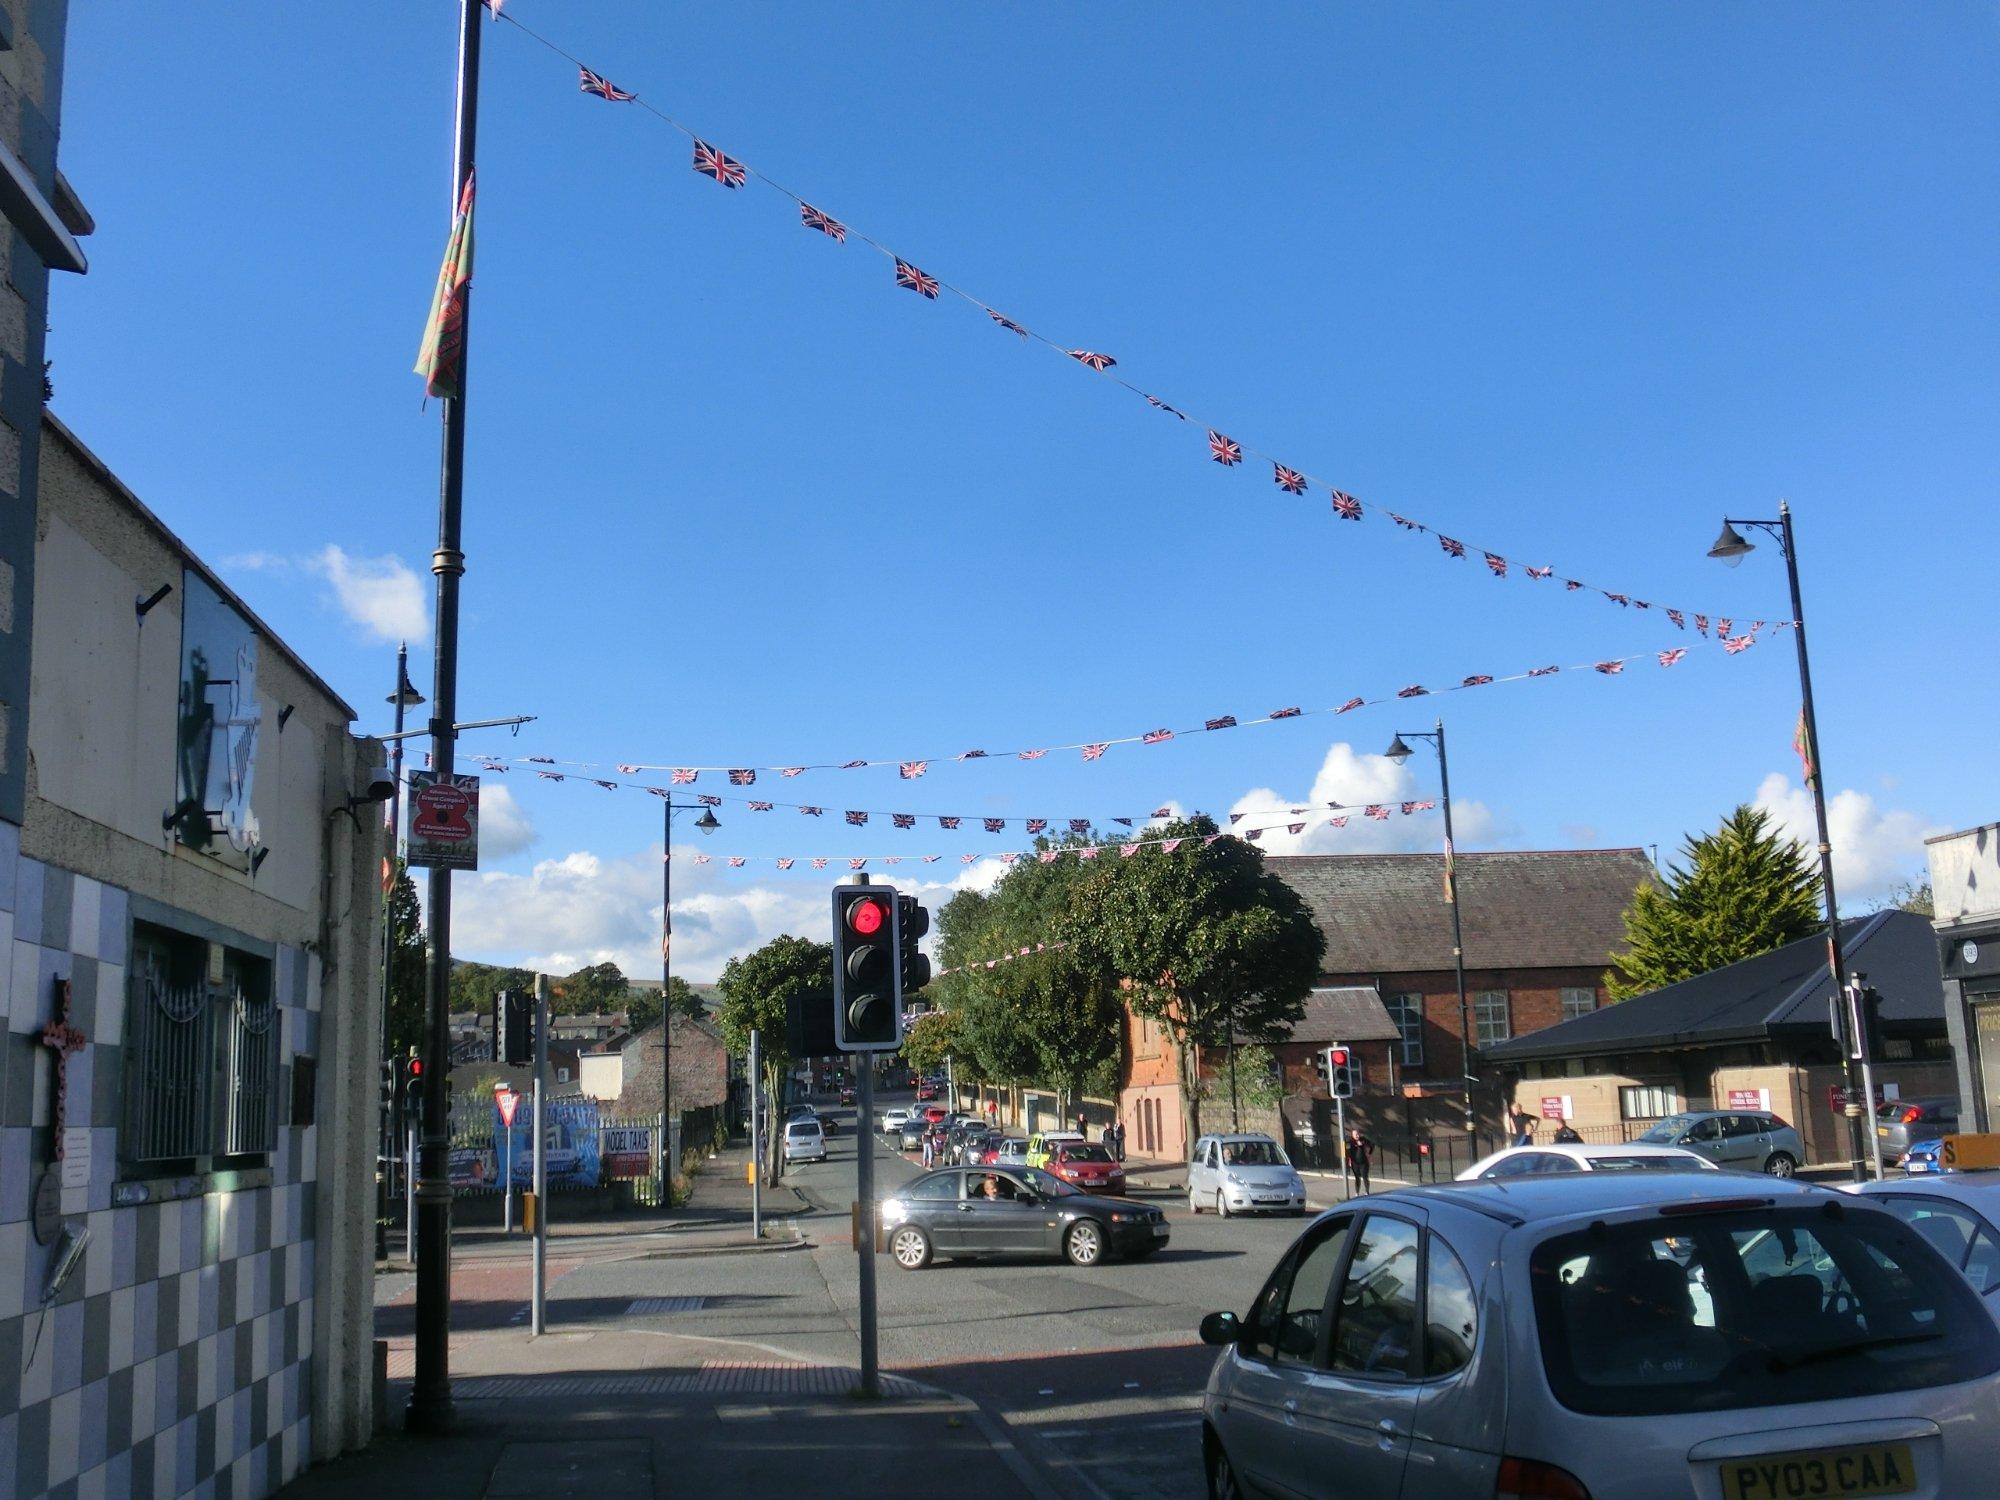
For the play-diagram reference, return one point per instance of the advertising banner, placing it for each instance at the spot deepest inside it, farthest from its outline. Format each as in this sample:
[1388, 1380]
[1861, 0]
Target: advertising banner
[1750, 1099]
[626, 1150]
[569, 1144]
[444, 821]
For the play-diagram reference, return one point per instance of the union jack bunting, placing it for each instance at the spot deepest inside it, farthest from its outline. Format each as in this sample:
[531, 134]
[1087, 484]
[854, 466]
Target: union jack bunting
[903, 820]
[1235, 818]
[761, 806]
[1543, 671]
[701, 859]
[684, 777]
[1079, 825]
[1336, 822]
[826, 224]
[1346, 506]
[712, 163]
[550, 775]
[1291, 481]
[1679, 619]
[1224, 451]
[1414, 690]
[1089, 851]
[1452, 548]
[1571, 585]
[1170, 411]
[1031, 754]
[1417, 807]
[1405, 522]
[1478, 679]
[994, 825]
[910, 770]
[947, 822]
[742, 778]
[1126, 851]
[966, 859]
[1641, 604]
[1284, 713]
[1036, 825]
[493, 765]
[630, 770]
[1208, 839]
[856, 864]
[790, 771]
[1253, 833]
[909, 276]
[659, 791]
[1496, 564]
[1737, 643]
[1701, 623]
[1227, 721]
[1611, 668]
[707, 799]
[737, 861]
[1163, 812]
[1156, 737]
[1049, 856]
[1168, 846]
[1123, 822]
[1618, 599]
[856, 819]
[893, 859]
[784, 864]
[853, 765]
[819, 864]
[812, 812]
[1540, 572]
[1350, 705]
[1725, 626]
[1669, 658]
[1376, 811]
[1007, 859]
[931, 859]
[540, 760]
[1755, 626]
[1096, 752]
[609, 786]
[1295, 828]
[971, 755]
[1007, 323]
[1095, 361]
[604, 88]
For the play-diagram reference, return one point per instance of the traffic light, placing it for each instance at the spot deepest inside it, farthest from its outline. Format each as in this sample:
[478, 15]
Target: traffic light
[517, 1045]
[1871, 1023]
[809, 1027]
[1340, 1070]
[914, 970]
[866, 1016]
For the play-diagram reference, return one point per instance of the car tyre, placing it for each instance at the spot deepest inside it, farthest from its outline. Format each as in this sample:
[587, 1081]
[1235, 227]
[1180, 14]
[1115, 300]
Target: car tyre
[911, 1247]
[1781, 1164]
[1194, 1203]
[1222, 1483]
[1221, 1205]
[1083, 1245]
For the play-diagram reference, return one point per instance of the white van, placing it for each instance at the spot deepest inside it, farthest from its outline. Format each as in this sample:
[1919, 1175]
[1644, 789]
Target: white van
[804, 1140]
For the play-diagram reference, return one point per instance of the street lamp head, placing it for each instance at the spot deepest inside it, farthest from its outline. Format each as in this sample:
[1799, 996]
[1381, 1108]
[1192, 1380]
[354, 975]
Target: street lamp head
[1732, 546]
[406, 694]
[1398, 751]
[707, 822]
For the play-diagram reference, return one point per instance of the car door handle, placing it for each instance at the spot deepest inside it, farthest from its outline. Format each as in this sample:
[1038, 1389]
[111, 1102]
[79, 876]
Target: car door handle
[1291, 1408]
[965, 1208]
[1387, 1427]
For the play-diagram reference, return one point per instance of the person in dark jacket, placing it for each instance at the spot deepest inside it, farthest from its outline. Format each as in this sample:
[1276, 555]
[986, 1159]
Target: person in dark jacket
[1360, 1157]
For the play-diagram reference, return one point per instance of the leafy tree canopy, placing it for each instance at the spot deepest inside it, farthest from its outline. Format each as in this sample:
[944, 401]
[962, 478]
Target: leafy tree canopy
[756, 988]
[409, 959]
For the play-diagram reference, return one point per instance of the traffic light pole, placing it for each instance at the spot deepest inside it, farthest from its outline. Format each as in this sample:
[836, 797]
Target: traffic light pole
[864, 1234]
[539, 1304]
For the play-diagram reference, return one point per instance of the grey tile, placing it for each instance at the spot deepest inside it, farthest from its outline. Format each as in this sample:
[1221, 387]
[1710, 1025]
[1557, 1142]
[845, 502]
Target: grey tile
[9, 1445]
[11, 1332]
[138, 1470]
[64, 1491]
[10, 862]
[243, 1338]
[28, 900]
[82, 991]
[260, 1412]
[118, 1412]
[58, 888]
[186, 1474]
[145, 1321]
[96, 1340]
[31, 1449]
[191, 1215]
[208, 1299]
[118, 1472]
[125, 1247]
[65, 1340]
[114, 926]
[19, 1102]
[167, 1315]
[91, 1436]
[204, 1443]
[187, 1361]
[225, 1296]
[17, 1173]
[167, 1409]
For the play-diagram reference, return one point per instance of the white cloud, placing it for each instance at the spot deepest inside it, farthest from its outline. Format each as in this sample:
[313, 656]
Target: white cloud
[383, 595]
[1873, 848]
[1355, 780]
[504, 828]
[257, 562]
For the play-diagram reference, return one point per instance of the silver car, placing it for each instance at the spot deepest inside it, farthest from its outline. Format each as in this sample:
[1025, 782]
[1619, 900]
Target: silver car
[1748, 1140]
[1642, 1335]
[1242, 1174]
[1959, 1213]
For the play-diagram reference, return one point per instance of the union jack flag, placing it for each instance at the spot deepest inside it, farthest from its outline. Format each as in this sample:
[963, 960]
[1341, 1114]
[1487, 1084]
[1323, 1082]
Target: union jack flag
[1168, 846]
[1170, 411]
[540, 760]
[1049, 856]
[893, 859]
[1089, 851]
[1477, 679]
[493, 765]
[910, 770]
[931, 859]
[550, 775]
[856, 864]
[1571, 585]
[742, 777]
[1156, 737]
[684, 777]
[1701, 623]
[1452, 548]
[1414, 690]
[736, 861]
[947, 822]
[1405, 522]
[1096, 752]
[707, 799]
[1079, 825]
[909, 276]
[1670, 658]
[604, 88]
[1725, 626]
[784, 864]
[659, 791]
[1543, 671]
[1346, 506]
[609, 786]
[791, 771]
[1617, 598]
[1225, 451]
[825, 223]
[1163, 812]
[712, 163]
[1336, 822]
[1496, 564]
[1350, 705]
[1295, 828]
[1417, 807]
[903, 820]
[1679, 619]
[1227, 721]
[1005, 859]
[1032, 754]
[966, 859]
[971, 755]
[761, 806]
[1284, 713]
[1291, 481]
[1736, 643]
[1007, 323]
[624, 770]
[701, 859]
[1755, 626]
[1095, 361]
[819, 864]
[1376, 811]
[853, 765]
[1640, 604]
[855, 819]
[994, 825]
[1611, 668]
[812, 812]
[1036, 825]
[1540, 572]
[1235, 818]
[1126, 851]
[1123, 822]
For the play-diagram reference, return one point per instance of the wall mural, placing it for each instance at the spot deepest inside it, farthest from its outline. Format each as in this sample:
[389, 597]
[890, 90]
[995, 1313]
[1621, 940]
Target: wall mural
[215, 749]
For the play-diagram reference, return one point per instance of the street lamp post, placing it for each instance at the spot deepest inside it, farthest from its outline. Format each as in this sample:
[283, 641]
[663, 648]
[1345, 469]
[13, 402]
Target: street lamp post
[707, 823]
[1399, 752]
[1732, 547]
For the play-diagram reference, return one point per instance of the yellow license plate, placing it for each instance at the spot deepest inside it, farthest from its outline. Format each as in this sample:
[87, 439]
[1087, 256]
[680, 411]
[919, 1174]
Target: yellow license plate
[1882, 1469]
[1882, 1130]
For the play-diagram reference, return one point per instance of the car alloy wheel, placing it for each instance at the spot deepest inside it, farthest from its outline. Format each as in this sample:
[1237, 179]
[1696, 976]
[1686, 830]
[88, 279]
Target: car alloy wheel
[1084, 1244]
[911, 1247]
[1781, 1164]
[1221, 1477]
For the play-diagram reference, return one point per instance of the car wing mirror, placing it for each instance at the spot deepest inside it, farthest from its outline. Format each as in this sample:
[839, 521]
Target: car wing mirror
[1221, 1328]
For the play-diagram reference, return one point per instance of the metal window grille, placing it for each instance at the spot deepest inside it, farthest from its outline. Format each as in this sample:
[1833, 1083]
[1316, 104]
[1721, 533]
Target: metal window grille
[169, 1052]
[250, 1074]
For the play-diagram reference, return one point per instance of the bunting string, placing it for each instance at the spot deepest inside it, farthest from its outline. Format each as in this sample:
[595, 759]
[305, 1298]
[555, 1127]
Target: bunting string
[729, 172]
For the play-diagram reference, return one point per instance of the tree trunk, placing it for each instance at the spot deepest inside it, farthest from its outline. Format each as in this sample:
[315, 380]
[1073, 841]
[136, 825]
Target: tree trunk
[774, 1134]
[1190, 1092]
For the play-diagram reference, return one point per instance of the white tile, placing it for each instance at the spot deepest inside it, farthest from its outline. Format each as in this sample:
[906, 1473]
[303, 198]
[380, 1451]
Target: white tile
[86, 908]
[225, 1432]
[65, 1435]
[305, 1328]
[91, 1486]
[13, 1268]
[188, 1289]
[7, 966]
[288, 1448]
[312, 982]
[110, 1004]
[37, 1375]
[170, 1240]
[100, 1255]
[144, 1380]
[124, 1307]
[166, 1468]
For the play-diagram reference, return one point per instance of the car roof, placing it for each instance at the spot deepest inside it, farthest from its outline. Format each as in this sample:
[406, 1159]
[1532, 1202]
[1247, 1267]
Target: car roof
[1979, 1189]
[1248, 1135]
[1569, 1195]
[1586, 1150]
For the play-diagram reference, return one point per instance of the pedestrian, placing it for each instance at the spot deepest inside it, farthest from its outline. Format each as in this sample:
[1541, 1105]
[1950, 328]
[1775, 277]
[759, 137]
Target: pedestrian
[1524, 1127]
[1360, 1157]
[1115, 1134]
[930, 1150]
[1082, 1127]
[1566, 1135]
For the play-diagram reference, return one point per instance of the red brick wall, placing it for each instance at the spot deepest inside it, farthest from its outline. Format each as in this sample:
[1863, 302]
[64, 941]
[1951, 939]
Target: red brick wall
[1535, 1002]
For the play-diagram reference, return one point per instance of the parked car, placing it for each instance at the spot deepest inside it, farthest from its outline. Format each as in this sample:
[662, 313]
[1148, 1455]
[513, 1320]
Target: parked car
[1925, 1158]
[1959, 1213]
[934, 1112]
[804, 1141]
[1041, 1147]
[1012, 1151]
[1639, 1335]
[972, 1144]
[926, 1092]
[1901, 1123]
[1750, 1140]
[910, 1134]
[807, 1112]
[892, 1119]
[847, 1093]
[958, 1212]
[1530, 1161]
[1087, 1165]
[1239, 1174]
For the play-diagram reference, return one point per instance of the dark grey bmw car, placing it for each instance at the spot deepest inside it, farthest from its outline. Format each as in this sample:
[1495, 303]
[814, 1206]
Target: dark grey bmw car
[964, 1212]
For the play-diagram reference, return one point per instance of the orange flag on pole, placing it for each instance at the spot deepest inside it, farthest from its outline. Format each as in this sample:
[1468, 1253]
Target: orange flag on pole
[441, 357]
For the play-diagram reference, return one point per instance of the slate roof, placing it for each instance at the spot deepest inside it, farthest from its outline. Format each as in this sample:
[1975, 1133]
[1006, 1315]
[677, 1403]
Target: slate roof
[1342, 1013]
[1781, 993]
[1386, 913]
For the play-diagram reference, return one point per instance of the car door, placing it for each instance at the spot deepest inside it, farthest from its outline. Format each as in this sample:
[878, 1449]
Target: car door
[1284, 1339]
[1705, 1136]
[937, 1201]
[1201, 1181]
[1743, 1144]
[1008, 1223]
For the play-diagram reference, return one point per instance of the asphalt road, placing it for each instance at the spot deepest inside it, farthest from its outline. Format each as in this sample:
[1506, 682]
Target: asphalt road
[1097, 1373]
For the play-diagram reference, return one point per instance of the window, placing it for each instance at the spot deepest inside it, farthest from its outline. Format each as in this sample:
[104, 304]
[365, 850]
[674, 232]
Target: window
[1646, 1101]
[1451, 1318]
[1578, 1002]
[1407, 1011]
[201, 1054]
[1956, 1233]
[1491, 1015]
[1744, 1125]
[1284, 1321]
[1376, 1333]
[943, 1185]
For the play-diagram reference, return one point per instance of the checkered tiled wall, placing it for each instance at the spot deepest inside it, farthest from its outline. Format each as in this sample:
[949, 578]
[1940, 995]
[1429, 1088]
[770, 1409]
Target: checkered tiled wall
[177, 1359]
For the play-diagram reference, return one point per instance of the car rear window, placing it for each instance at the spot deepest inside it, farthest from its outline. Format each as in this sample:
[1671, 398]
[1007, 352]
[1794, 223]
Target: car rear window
[1080, 1152]
[1760, 1307]
[1644, 1164]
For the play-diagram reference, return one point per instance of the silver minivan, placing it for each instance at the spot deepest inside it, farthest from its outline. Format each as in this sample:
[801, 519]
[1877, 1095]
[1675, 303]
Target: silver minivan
[1242, 1174]
[1644, 1336]
[1747, 1140]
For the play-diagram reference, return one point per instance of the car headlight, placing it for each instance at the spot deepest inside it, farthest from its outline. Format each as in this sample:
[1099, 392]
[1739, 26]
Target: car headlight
[1125, 1218]
[1232, 1177]
[894, 1212]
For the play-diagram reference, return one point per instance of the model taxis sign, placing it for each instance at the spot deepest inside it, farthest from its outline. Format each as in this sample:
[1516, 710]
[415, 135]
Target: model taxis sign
[1965, 1153]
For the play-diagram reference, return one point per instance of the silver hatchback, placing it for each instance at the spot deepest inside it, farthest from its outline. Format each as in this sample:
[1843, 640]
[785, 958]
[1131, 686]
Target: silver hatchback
[1746, 1140]
[1646, 1336]
[1241, 1174]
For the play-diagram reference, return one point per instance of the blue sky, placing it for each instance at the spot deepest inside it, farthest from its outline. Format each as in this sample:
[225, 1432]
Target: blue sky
[1570, 282]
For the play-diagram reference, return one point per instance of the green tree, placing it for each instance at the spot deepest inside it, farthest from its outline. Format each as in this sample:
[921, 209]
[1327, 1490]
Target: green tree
[473, 985]
[1251, 1078]
[1743, 890]
[643, 1008]
[1212, 945]
[932, 1037]
[1912, 894]
[756, 988]
[409, 959]
[595, 988]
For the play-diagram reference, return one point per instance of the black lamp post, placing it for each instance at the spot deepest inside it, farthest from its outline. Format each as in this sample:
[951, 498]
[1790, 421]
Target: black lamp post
[1399, 752]
[707, 823]
[1732, 547]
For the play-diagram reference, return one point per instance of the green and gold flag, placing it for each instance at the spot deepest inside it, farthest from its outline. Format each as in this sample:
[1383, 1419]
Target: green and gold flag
[441, 357]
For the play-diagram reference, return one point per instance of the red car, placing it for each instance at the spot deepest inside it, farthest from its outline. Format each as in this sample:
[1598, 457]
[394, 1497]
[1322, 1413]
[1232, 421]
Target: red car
[936, 1113]
[926, 1091]
[1087, 1165]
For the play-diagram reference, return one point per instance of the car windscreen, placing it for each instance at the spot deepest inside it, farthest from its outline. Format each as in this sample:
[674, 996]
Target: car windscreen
[1759, 1307]
[1668, 1130]
[1077, 1151]
[1637, 1163]
[1251, 1154]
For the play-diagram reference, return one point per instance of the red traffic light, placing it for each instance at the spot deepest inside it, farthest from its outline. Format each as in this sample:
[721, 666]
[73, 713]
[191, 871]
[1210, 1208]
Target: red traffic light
[1339, 1056]
[867, 916]
[416, 1066]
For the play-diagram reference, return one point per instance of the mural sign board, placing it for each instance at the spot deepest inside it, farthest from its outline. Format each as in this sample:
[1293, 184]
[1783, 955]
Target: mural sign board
[444, 821]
